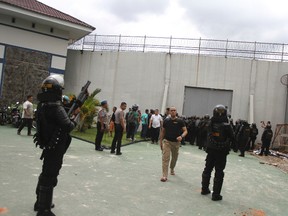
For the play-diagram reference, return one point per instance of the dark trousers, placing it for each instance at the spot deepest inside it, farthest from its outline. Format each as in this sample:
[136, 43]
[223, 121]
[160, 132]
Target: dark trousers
[99, 136]
[148, 134]
[215, 159]
[26, 122]
[131, 130]
[193, 135]
[155, 134]
[52, 163]
[117, 140]
[127, 131]
[242, 146]
[251, 143]
[144, 130]
[198, 139]
[265, 147]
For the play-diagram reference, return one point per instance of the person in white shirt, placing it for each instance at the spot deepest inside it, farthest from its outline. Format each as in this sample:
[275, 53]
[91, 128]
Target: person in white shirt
[27, 115]
[155, 124]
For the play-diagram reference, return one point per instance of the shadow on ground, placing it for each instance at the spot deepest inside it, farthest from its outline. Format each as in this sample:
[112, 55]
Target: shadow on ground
[98, 183]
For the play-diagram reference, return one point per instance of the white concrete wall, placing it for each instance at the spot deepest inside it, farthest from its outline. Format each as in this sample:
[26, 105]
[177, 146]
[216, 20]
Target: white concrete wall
[2, 51]
[58, 62]
[31, 40]
[137, 77]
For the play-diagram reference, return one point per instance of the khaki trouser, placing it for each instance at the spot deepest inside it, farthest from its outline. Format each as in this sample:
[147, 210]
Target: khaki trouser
[169, 148]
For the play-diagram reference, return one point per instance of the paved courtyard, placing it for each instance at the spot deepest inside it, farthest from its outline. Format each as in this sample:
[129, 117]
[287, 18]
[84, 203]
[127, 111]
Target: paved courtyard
[98, 183]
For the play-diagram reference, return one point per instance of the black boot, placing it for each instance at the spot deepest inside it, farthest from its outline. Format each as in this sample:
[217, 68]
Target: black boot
[36, 205]
[45, 201]
[217, 189]
[205, 184]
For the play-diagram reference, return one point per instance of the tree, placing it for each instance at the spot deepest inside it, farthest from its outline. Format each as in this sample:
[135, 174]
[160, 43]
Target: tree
[88, 111]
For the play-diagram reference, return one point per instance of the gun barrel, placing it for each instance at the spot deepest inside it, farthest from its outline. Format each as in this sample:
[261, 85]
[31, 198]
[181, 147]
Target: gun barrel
[80, 99]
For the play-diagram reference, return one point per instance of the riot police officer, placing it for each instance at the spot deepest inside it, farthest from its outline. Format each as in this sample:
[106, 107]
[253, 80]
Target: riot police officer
[203, 131]
[53, 128]
[243, 137]
[253, 136]
[220, 134]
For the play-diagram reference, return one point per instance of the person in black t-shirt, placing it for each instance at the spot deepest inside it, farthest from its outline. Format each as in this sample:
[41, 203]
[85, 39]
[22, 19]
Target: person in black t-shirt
[174, 130]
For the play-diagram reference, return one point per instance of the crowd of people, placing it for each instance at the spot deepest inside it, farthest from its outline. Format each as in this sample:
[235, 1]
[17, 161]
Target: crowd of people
[216, 135]
[245, 134]
[151, 122]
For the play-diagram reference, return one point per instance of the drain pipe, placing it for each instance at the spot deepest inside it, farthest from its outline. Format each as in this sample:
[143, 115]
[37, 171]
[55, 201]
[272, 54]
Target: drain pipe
[167, 82]
[251, 109]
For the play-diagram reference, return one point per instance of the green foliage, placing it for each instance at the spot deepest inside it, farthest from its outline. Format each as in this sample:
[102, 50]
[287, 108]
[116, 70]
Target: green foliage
[88, 111]
[90, 135]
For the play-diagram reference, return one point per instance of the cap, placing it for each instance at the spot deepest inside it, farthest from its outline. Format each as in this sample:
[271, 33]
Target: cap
[103, 102]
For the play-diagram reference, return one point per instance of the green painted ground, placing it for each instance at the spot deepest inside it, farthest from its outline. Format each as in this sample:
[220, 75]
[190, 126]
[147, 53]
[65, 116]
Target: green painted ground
[98, 183]
[90, 135]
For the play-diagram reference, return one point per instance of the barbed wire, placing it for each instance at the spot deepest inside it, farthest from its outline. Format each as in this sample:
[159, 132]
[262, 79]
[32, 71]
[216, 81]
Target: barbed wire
[224, 48]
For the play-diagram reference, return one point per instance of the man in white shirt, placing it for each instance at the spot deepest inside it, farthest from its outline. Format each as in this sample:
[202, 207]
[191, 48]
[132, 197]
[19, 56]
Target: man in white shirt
[27, 115]
[155, 124]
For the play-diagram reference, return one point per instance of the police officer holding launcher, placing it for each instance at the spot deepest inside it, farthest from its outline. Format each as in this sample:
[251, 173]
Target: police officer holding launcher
[220, 134]
[53, 128]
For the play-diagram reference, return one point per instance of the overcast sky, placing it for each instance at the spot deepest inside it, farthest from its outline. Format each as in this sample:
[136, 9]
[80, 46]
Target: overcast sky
[248, 20]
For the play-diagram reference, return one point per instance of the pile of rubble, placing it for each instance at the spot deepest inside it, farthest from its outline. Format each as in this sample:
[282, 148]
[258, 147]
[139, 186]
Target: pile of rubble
[275, 158]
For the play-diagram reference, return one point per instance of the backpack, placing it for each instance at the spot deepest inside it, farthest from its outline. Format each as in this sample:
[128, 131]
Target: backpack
[131, 117]
[245, 131]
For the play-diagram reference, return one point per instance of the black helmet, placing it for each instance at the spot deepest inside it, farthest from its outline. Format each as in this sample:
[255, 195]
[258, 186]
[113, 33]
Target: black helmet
[51, 88]
[135, 107]
[53, 84]
[206, 116]
[244, 122]
[219, 111]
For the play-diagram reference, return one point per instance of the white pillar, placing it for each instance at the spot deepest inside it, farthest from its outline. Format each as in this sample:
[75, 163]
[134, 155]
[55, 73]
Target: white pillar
[251, 109]
[167, 82]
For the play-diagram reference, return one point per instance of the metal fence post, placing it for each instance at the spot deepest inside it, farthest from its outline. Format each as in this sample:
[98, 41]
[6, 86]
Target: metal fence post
[170, 44]
[199, 48]
[144, 43]
[119, 43]
[255, 45]
[282, 54]
[94, 44]
[226, 49]
[83, 42]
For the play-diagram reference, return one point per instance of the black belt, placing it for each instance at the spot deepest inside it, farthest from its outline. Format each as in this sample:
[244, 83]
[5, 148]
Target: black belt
[171, 140]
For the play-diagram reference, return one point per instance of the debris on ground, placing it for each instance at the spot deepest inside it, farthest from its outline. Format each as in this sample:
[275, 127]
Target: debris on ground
[251, 212]
[3, 210]
[275, 158]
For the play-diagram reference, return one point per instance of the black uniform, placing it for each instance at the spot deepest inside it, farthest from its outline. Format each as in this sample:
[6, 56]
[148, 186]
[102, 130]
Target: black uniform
[220, 135]
[203, 133]
[192, 131]
[53, 128]
[266, 140]
[243, 137]
[253, 136]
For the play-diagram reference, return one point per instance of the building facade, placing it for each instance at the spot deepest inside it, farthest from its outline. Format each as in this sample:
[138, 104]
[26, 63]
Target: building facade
[33, 44]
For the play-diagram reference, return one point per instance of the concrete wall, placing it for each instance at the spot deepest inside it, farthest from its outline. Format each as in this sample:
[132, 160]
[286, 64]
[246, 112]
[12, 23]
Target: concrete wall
[141, 78]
